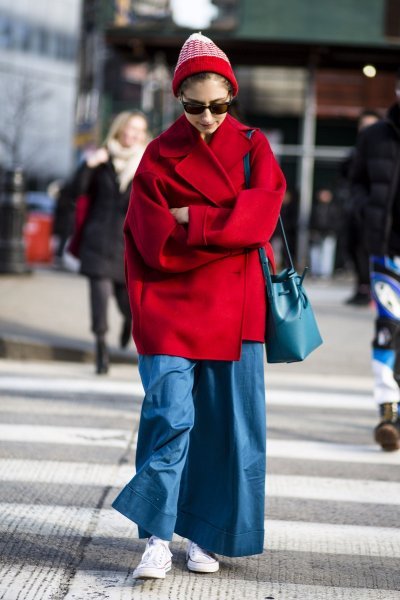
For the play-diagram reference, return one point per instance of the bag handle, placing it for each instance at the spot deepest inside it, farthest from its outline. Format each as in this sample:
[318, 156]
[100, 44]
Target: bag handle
[263, 255]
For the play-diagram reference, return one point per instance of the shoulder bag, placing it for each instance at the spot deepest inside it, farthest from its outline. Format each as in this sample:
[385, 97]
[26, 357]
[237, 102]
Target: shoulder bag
[291, 329]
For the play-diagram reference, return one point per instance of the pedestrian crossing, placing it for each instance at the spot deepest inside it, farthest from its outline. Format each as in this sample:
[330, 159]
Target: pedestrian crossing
[292, 486]
[62, 540]
[91, 584]
[282, 536]
[281, 396]
[119, 438]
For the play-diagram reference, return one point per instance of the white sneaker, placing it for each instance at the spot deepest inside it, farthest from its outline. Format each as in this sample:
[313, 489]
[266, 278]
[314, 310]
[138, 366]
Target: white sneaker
[200, 560]
[156, 560]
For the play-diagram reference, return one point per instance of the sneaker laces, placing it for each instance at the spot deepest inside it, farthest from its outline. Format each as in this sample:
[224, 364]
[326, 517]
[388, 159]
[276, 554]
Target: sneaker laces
[155, 553]
[390, 411]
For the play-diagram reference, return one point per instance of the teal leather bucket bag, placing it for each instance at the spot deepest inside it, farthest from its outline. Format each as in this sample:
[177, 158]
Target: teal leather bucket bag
[291, 332]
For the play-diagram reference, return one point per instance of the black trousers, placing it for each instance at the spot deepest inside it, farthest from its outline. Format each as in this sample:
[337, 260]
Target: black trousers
[101, 289]
[358, 253]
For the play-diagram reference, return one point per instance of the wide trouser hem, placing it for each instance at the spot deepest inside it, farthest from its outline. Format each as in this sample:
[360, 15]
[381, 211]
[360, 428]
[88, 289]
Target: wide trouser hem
[216, 540]
[150, 520]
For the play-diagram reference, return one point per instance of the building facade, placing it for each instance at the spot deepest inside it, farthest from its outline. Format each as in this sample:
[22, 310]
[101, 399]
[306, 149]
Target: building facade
[38, 72]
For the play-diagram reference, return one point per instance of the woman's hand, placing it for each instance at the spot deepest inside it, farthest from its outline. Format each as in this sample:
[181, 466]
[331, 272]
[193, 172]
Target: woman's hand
[97, 158]
[180, 214]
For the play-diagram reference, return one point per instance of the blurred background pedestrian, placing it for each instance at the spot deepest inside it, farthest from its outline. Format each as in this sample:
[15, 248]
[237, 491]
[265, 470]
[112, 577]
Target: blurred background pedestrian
[104, 181]
[353, 225]
[376, 189]
[324, 225]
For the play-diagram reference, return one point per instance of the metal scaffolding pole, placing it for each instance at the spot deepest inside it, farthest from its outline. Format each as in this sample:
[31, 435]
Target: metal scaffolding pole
[306, 167]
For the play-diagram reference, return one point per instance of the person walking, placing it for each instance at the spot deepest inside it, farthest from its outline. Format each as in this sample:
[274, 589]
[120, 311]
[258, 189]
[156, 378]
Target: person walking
[104, 180]
[197, 294]
[376, 188]
[324, 225]
[353, 225]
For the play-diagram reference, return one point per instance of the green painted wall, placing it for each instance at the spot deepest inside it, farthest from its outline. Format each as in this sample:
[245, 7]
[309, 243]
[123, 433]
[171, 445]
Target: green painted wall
[341, 21]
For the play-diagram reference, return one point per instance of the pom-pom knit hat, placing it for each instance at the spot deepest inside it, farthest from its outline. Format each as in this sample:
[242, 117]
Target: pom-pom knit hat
[199, 54]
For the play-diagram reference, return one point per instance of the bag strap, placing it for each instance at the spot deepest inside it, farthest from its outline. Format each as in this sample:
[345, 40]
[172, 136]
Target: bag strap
[263, 256]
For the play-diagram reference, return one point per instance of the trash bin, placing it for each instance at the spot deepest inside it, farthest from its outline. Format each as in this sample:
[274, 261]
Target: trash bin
[12, 217]
[38, 228]
[37, 231]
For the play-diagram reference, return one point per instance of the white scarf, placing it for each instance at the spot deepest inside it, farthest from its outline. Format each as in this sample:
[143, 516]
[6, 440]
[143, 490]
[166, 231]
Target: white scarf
[125, 161]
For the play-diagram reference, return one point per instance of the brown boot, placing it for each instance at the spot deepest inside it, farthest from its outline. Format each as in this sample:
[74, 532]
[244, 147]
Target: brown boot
[387, 432]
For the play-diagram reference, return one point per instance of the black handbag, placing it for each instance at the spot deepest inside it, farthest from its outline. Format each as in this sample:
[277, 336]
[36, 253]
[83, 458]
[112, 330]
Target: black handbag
[291, 332]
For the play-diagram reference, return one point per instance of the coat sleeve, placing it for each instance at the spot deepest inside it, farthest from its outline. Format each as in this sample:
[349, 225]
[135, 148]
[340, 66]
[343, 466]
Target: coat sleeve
[252, 220]
[160, 240]
[81, 181]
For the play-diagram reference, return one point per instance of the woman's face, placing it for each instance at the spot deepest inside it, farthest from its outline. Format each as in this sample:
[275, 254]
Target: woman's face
[208, 91]
[134, 133]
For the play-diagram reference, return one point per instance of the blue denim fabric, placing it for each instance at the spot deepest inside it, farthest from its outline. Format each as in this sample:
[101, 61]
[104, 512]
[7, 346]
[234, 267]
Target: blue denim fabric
[200, 461]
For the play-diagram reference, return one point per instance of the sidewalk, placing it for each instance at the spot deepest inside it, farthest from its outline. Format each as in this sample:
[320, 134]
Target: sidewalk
[45, 316]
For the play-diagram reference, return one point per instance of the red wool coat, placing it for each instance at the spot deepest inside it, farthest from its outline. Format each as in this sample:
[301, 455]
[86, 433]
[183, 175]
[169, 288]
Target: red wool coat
[197, 291]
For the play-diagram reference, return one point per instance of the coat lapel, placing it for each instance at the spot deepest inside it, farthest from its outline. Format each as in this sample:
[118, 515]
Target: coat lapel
[230, 143]
[206, 167]
[202, 170]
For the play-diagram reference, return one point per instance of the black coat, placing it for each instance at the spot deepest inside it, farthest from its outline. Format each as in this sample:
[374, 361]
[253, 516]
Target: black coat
[102, 245]
[325, 220]
[375, 183]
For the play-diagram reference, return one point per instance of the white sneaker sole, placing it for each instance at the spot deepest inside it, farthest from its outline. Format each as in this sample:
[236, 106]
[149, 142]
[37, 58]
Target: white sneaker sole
[197, 567]
[151, 572]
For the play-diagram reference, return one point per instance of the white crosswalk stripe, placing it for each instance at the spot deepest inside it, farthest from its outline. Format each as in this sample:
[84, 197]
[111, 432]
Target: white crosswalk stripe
[103, 527]
[282, 536]
[283, 397]
[69, 386]
[114, 585]
[119, 438]
[85, 436]
[324, 451]
[277, 486]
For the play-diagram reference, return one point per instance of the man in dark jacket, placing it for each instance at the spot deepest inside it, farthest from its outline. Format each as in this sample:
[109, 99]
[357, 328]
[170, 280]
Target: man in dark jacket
[353, 226]
[376, 187]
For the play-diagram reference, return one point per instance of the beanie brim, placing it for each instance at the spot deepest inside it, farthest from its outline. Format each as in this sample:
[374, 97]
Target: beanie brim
[204, 64]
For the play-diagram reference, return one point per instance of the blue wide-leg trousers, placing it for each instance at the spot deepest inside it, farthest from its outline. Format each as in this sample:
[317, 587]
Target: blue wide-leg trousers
[200, 460]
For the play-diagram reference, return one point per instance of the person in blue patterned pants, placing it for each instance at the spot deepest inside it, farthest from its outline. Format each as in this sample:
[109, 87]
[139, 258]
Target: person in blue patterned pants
[376, 191]
[385, 287]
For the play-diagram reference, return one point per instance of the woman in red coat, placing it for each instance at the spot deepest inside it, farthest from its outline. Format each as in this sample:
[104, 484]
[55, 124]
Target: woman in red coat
[198, 302]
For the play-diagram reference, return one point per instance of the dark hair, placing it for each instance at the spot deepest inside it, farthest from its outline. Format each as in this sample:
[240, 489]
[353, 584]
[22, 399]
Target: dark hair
[202, 77]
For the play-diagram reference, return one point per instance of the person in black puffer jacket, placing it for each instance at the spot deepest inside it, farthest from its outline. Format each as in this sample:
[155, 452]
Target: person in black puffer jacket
[105, 180]
[376, 189]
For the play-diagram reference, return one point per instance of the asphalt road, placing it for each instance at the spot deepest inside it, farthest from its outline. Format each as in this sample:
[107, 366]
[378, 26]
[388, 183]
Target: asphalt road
[67, 442]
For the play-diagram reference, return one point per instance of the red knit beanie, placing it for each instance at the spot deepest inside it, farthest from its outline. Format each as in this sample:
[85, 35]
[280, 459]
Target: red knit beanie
[199, 54]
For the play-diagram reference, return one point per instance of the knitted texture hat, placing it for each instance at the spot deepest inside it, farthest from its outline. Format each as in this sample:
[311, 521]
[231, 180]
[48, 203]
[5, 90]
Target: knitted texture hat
[199, 54]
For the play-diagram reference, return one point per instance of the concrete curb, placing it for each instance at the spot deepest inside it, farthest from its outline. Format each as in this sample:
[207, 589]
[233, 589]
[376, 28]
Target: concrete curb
[20, 348]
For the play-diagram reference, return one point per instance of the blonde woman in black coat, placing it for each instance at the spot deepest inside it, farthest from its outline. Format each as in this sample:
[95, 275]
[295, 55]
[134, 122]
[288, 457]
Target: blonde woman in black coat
[105, 179]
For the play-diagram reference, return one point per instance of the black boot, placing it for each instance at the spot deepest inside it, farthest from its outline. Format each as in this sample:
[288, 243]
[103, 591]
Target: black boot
[362, 296]
[387, 432]
[125, 333]
[102, 360]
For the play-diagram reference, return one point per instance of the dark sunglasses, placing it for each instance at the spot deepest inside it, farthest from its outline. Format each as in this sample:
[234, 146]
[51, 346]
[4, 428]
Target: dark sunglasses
[218, 108]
